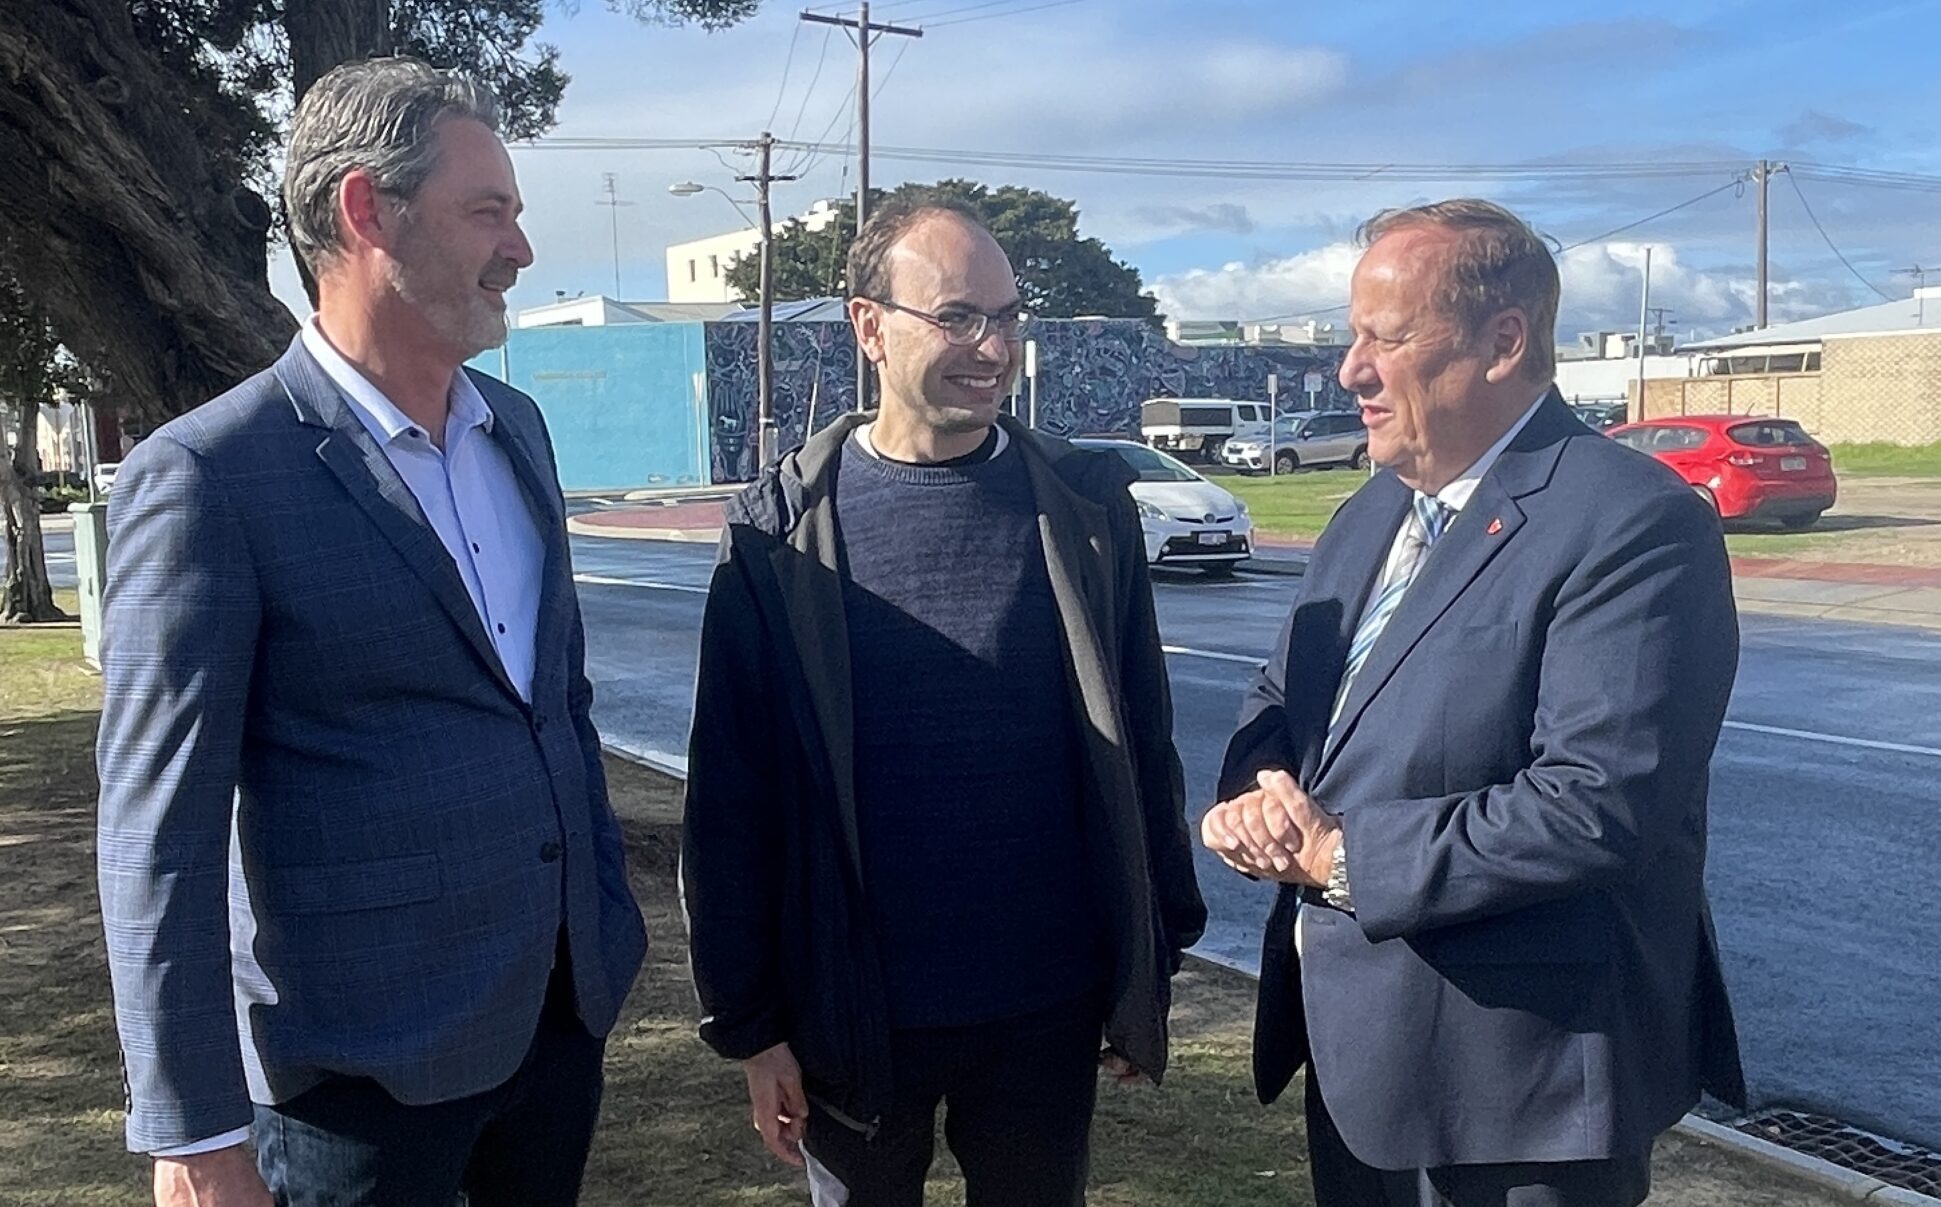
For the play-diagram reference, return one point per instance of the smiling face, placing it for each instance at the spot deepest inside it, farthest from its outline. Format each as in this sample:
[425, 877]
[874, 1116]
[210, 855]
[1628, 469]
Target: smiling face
[944, 266]
[458, 246]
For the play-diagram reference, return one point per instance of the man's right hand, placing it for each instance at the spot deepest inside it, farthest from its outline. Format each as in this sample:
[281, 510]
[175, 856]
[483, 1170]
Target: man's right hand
[781, 1108]
[226, 1177]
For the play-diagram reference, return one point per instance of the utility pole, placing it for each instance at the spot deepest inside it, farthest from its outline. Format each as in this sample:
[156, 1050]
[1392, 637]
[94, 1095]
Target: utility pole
[613, 204]
[1659, 322]
[864, 32]
[765, 327]
[1644, 313]
[1762, 175]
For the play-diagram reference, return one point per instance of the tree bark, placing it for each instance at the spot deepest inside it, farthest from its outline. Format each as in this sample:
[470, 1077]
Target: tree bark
[324, 33]
[148, 263]
[27, 596]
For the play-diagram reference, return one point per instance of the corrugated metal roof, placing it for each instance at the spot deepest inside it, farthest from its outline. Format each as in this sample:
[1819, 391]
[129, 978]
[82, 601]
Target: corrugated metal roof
[1904, 314]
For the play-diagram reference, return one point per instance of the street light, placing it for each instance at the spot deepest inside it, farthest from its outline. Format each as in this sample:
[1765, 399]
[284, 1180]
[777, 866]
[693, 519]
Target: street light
[688, 188]
[764, 367]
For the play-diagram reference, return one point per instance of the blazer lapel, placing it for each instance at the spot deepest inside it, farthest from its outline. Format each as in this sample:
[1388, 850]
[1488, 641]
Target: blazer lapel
[373, 483]
[525, 454]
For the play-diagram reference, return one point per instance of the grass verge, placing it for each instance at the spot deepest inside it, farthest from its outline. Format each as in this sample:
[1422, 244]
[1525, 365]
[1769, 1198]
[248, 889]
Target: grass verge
[675, 1129]
[1294, 506]
[1916, 461]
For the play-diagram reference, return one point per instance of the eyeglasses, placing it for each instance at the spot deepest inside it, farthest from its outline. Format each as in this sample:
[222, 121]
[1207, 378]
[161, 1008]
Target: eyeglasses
[966, 327]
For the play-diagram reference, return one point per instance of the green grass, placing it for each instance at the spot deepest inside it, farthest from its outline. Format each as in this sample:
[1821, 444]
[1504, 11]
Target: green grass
[1919, 461]
[1294, 506]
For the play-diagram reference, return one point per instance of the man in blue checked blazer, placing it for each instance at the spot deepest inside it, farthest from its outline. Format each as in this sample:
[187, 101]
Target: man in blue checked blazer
[364, 894]
[1477, 762]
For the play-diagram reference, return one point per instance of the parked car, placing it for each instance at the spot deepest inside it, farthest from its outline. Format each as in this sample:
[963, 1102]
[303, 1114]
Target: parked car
[1746, 466]
[1302, 440]
[104, 476]
[1601, 416]
[1197, 427]
[1188, 521]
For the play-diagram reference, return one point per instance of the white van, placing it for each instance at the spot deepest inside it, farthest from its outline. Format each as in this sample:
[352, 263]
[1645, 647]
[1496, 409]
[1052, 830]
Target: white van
[1200, 427]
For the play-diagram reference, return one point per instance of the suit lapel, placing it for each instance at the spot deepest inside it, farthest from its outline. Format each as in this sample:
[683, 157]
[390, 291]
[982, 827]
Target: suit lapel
[373, 483]
[1486, 526]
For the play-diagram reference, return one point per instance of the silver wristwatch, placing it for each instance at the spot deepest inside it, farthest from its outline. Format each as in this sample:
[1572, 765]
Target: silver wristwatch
[1336, 891]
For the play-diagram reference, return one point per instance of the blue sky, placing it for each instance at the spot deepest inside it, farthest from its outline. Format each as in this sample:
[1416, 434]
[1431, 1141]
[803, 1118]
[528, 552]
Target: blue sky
[1381, 81]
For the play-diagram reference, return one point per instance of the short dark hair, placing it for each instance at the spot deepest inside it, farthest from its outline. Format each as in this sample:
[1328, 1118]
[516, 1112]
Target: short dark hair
[869, 255]
[1499, 262]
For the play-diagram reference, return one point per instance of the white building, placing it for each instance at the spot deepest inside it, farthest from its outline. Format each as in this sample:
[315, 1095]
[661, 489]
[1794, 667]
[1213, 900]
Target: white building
[1310, 334]
[598, 310]
[697, 271]
[1603, 365]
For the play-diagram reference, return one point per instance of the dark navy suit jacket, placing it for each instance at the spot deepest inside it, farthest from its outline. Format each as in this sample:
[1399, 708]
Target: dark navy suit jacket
[1520, 769]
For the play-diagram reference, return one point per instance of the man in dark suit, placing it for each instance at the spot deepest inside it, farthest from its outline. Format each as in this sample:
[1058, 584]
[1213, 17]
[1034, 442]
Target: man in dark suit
[363, 890]
[1477, 762]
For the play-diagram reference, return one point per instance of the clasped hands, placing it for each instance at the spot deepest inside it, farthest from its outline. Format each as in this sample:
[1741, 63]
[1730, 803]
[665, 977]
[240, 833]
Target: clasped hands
[1274, 832]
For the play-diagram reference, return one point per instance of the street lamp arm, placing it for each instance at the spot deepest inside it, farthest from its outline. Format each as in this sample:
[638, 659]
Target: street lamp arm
[688, 188]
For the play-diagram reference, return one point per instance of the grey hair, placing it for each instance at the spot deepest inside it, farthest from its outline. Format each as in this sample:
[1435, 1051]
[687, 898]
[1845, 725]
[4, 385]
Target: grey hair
[378, 115]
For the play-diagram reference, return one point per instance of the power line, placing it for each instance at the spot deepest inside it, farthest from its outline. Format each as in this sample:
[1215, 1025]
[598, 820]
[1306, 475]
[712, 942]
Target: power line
[1014, 12]
[1733, 183]
[794, 36]
[1829, 242]
[1571, 247]
[814, 78]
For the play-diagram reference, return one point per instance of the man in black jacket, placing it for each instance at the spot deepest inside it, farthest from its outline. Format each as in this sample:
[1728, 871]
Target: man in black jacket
[934, 849]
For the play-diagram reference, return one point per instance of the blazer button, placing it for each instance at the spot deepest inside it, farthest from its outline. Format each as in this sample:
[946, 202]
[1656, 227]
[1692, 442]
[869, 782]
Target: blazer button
[549, 852]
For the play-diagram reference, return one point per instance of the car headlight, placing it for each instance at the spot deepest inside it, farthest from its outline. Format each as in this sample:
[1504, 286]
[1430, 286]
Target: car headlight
[1148, 511]
[1242, 505]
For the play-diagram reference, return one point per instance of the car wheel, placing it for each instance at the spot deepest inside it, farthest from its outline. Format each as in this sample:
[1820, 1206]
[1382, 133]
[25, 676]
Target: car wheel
[1359, 460]
[1798, 522]
[1286, 463]
[1711, 500]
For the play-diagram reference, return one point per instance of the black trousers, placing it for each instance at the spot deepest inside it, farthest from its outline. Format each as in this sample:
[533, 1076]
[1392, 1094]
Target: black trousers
[348, 1143]
[1017, 1098]
[1342, 1180]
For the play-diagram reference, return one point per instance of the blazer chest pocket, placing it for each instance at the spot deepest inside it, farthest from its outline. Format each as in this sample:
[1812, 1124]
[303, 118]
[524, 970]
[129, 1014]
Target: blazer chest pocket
[342, 888]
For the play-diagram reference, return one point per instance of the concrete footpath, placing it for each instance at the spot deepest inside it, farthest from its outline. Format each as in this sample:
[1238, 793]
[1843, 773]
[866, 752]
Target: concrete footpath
[1852, 591]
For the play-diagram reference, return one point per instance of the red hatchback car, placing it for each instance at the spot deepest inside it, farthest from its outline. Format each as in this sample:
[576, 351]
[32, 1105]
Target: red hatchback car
[1747, 466]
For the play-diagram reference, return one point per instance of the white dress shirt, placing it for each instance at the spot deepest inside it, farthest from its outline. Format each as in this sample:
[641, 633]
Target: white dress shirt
[1455, 497]
[472, 497]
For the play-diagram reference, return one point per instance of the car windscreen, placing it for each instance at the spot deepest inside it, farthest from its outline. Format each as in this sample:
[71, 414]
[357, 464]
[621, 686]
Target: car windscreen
[1151, 466]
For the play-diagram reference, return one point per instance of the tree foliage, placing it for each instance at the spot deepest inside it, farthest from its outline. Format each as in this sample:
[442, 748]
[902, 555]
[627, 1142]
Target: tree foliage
[1060, 273]
[139, 137]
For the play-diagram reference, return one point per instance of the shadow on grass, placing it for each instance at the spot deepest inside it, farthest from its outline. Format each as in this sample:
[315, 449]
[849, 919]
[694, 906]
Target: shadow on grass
[60, 1112]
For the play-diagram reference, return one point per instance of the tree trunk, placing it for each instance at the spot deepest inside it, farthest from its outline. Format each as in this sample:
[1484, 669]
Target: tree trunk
[148, 263]
[27, 596]
[324, 33]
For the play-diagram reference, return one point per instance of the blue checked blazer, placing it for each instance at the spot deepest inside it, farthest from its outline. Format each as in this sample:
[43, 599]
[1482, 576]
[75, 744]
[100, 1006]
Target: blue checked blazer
[333, 839]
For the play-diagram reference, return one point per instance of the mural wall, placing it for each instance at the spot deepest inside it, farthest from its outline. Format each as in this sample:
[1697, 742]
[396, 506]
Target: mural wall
[1092, 376]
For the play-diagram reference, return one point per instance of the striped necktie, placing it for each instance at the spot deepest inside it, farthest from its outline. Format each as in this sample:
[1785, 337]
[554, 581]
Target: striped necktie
[1426, 525]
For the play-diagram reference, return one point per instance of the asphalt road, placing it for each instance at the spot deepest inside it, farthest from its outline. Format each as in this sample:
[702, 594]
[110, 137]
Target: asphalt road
[1824, 810]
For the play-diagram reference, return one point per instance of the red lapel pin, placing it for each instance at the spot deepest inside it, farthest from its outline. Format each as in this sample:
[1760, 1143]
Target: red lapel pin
[1495, 526]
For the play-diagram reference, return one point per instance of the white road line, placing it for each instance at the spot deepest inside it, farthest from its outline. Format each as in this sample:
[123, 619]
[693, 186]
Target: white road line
[601, 580]
[1804, 735]
[660, 760]
[1834, 739]
[1216, 655]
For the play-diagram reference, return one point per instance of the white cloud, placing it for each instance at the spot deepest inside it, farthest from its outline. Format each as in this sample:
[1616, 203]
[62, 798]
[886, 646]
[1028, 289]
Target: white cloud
[1601, 290]
[1310, 280]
